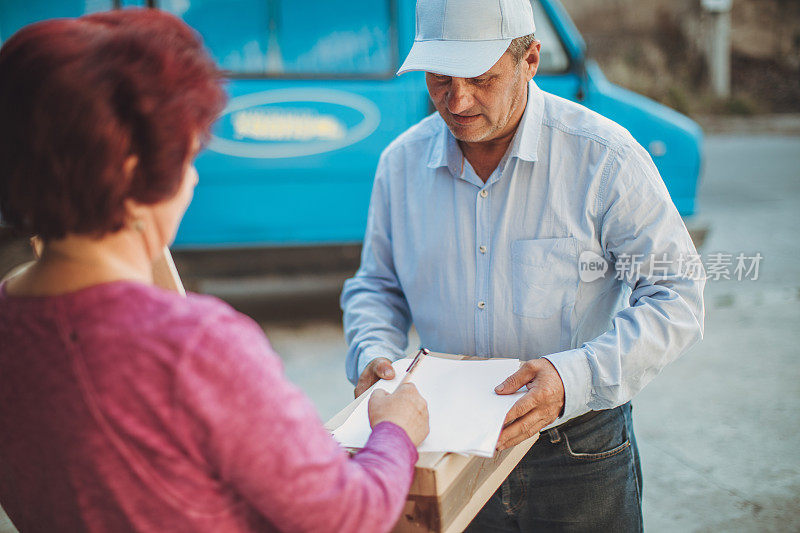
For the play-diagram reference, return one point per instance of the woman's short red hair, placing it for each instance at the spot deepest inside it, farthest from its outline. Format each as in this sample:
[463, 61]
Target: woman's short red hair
[78, 97]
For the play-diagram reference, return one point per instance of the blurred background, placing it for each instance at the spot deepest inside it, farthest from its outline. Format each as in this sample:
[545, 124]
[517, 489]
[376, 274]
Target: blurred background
[661, 50]
[711, 88]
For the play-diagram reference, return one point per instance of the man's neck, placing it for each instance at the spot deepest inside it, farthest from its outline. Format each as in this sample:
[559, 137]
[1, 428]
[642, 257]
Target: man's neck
[484, 156]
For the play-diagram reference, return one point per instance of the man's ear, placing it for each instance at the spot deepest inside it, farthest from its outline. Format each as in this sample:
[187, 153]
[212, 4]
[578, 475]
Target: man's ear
[531, 59]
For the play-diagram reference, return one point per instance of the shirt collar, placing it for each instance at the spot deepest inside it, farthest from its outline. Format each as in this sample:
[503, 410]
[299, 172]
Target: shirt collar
[444, 150]
[446, 153]
[525, 144]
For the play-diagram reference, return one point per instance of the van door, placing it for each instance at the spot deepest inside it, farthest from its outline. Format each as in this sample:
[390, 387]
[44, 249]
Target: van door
[557, 73]
[313, 102]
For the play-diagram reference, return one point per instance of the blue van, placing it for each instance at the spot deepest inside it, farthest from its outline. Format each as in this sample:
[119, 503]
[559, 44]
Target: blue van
[314, 100]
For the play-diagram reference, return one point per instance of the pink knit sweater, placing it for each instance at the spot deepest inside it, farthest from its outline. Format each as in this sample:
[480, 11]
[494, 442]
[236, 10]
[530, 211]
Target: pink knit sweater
[124, 407]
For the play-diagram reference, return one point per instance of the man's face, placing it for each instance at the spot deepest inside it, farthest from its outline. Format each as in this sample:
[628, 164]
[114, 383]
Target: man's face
[480, 109]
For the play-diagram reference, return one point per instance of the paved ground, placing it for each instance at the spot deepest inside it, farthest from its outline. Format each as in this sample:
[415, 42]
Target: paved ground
[719, 430]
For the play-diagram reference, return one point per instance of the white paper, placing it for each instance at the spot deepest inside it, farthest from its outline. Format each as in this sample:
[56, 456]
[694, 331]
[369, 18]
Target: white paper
[466, 415]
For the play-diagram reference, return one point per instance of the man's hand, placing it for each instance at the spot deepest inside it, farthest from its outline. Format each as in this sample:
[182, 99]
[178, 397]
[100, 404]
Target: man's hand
[540, 406]
[380, 368]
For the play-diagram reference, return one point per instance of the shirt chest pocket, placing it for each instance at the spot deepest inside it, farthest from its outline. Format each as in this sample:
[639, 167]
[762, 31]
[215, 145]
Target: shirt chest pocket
[544, 276]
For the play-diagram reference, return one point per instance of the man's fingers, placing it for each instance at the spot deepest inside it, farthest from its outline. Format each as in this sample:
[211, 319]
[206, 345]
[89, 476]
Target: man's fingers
[521, 407]
[516, 380]
[385, 370]
[513, 442]
[522, 429]
[379, 369]
[359, 389]
[363, 384]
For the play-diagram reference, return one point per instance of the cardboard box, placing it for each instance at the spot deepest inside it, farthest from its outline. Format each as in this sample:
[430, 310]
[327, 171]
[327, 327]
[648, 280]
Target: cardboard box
[448, 489]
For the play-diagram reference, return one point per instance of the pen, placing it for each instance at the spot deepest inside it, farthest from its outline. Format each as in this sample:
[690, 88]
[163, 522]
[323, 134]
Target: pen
[414, 364]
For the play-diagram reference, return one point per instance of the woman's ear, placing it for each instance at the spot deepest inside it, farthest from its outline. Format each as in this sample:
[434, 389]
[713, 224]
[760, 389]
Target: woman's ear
[135, 213]
[129, 166]
[37, 244]
[132, 209]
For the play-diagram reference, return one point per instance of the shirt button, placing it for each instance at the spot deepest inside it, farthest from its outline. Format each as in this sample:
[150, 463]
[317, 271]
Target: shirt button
[481, 305]
[484, 193]
[482, 249]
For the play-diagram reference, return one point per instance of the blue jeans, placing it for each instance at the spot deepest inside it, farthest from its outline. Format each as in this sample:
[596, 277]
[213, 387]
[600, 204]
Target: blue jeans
[583, 478]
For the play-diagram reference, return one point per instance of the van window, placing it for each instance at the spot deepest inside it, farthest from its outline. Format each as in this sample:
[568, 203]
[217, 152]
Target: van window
[15, 15]
[553, 58]
[275, 38]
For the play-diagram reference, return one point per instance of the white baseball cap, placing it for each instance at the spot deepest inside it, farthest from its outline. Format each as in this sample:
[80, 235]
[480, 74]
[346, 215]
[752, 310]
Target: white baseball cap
[465, 38]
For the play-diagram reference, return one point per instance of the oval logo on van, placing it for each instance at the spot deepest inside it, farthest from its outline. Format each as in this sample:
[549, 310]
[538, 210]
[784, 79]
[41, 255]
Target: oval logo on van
[293, 123]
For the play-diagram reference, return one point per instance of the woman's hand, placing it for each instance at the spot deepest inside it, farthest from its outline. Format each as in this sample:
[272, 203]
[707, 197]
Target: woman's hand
[404, 407]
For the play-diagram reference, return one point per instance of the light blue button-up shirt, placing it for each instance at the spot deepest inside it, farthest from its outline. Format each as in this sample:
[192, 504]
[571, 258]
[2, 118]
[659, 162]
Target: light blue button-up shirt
[492, 269]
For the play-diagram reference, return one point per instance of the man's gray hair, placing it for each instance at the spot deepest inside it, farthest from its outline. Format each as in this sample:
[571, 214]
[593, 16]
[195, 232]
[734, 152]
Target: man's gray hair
[519, 46]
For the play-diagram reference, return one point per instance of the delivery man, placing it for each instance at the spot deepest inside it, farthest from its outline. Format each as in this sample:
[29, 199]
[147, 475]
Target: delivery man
[513, 222]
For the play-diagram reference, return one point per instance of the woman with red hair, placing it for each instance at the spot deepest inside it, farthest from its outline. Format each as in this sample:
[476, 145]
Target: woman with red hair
[124, 407]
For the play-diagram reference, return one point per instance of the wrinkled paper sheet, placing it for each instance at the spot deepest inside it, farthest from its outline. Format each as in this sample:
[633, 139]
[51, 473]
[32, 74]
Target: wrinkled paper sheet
[466, 415]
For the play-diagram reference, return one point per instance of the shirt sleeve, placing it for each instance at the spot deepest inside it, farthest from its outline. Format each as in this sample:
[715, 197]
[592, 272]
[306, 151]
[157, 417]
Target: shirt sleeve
[261, 436]
[376, 314]
[643, 235]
